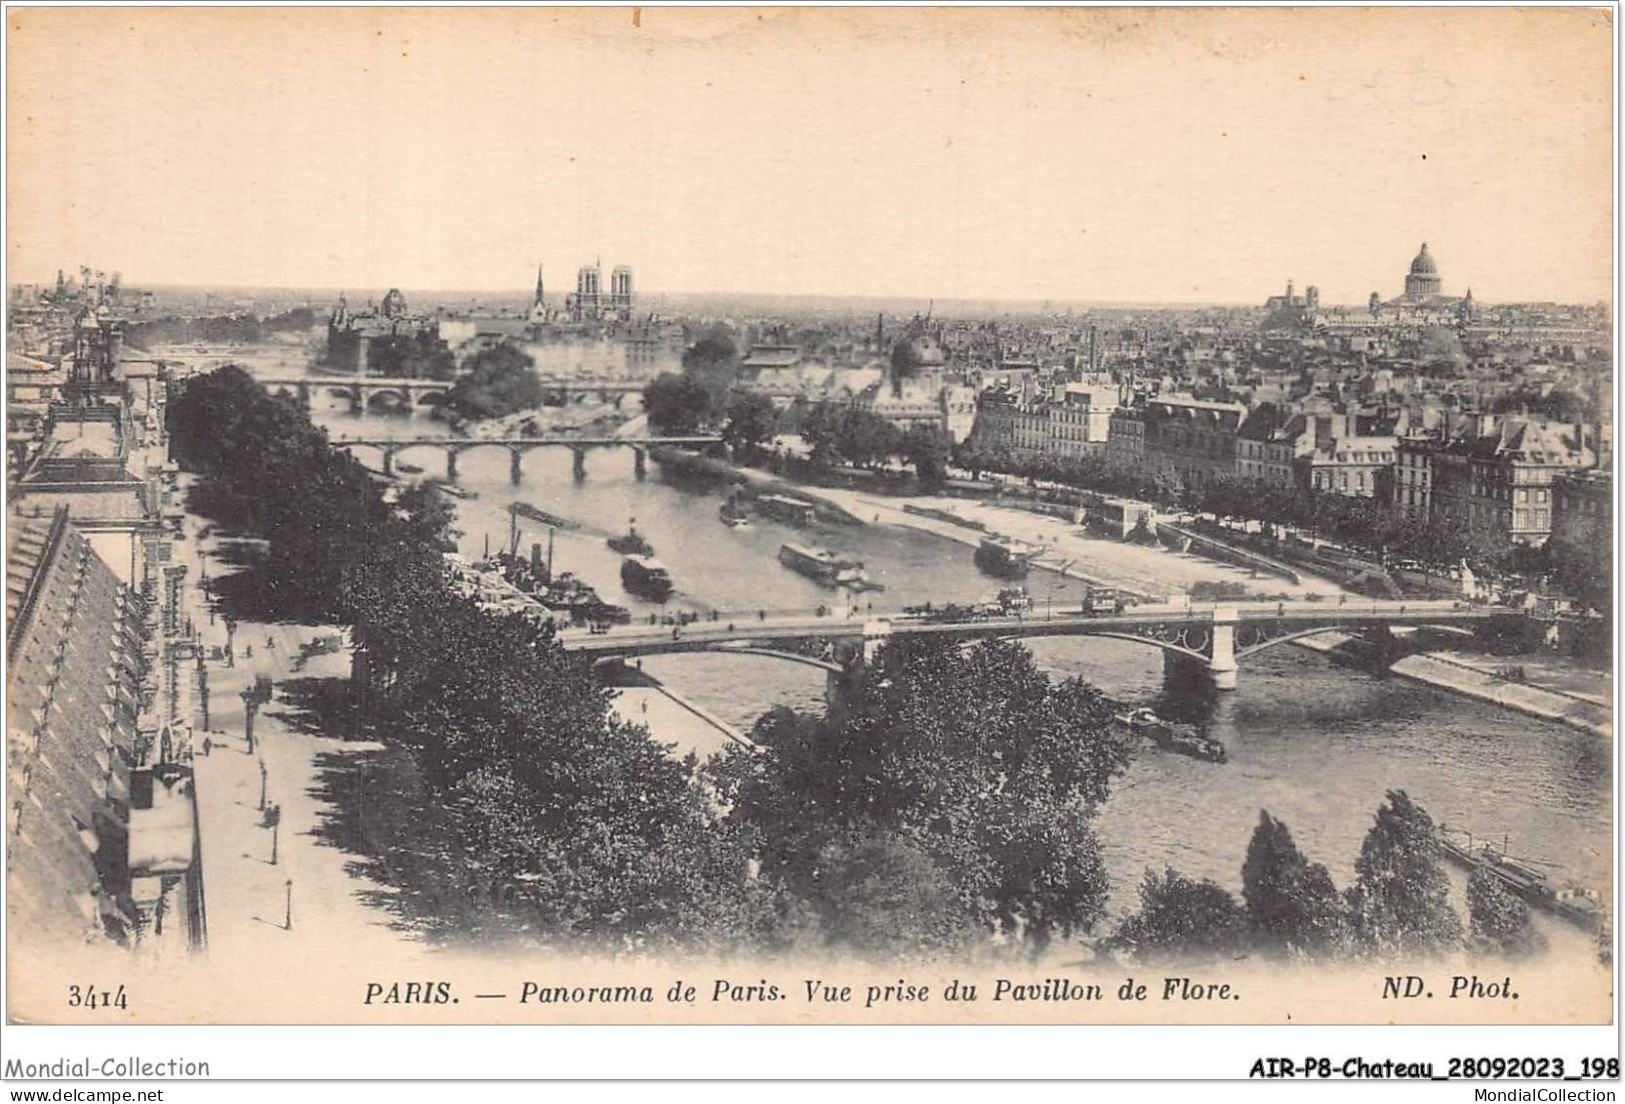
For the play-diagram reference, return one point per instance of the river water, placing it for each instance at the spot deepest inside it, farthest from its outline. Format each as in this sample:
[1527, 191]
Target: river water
[1315, 743]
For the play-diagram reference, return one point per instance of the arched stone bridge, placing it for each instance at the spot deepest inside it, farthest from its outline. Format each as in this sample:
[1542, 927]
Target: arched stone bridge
[363, 391]
[453, 447]
[1213, 638]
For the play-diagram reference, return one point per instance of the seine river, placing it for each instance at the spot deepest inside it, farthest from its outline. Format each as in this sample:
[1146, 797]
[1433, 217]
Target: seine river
[1314, 743]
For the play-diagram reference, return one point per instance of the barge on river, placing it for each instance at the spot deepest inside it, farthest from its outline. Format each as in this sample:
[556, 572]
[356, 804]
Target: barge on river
[646, 577]
[526, 510]
[1006, 558]
[823, 566]
[1573, 903]
[784, 508]
[1171, 736]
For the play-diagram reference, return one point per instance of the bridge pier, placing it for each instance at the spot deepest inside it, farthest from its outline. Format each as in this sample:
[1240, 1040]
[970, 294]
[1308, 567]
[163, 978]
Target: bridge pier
[451, 464]
[1222, 662]
[303, 390]
[358, 402]
[578, 466]
[389, 461]
[514, 460]
[640, 462]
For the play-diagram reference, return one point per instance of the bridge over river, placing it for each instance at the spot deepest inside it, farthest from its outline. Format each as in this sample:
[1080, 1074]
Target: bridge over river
[1213, 638]
[390, 447]
[363, 392]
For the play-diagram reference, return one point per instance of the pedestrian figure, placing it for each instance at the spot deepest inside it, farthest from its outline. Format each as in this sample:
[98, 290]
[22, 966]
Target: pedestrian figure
[208, 745]
[248, 651]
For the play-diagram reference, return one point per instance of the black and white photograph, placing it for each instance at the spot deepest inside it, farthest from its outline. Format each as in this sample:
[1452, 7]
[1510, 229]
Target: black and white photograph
[667, 516]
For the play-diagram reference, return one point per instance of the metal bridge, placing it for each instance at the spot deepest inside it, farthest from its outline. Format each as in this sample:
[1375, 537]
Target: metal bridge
[1214, 638]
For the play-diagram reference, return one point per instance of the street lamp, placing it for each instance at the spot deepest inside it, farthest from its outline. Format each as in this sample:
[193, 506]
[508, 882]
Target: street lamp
[287, 914]
[262, 785]
[274, 816]
[251, 705]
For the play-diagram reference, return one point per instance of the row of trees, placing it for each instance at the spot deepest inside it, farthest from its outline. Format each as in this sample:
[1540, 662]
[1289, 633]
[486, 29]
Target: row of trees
[839, 434]
[1397, 906]
[1365, 525]
[706, 394]
[567, 818]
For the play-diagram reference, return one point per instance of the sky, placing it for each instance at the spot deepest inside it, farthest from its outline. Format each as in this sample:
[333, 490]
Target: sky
[1125, 155]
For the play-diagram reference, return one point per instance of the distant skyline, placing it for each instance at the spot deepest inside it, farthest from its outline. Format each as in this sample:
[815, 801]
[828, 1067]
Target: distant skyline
[1108, 155]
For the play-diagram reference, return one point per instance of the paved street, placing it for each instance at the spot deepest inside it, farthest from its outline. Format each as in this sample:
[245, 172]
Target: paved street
[246, 895]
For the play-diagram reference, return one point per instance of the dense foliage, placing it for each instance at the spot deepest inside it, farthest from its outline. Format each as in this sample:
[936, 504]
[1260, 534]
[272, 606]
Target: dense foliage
[699, 395]
[838, 434]
[494, 383]
[677, 404]
[565, 816]
[750, 423]
[1498, 921]
[955, 787]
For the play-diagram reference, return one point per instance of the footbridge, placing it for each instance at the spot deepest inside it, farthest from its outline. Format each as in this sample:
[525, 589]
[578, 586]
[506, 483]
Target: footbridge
[389, 448]
[1212, 638]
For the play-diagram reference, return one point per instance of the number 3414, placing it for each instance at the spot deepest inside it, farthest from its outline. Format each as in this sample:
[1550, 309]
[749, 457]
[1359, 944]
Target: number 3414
[91, 996]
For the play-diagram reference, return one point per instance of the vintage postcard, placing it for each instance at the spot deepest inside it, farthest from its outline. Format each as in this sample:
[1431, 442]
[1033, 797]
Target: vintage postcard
[810, 516]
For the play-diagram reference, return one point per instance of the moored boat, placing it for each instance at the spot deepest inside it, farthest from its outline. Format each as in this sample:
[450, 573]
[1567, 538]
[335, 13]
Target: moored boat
[647, 577]
[1171, 736]
[408, 469]
[453, 489]
[526, 510]
[823, 566]
[1574, 903]
[1006, 558]
[787, 509]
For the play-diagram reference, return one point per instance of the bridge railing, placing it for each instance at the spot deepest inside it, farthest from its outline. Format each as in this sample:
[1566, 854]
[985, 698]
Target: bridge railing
[740, 620]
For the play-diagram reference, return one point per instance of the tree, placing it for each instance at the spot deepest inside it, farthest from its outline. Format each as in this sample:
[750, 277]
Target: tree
[676, 404]
[752, 420]
[1292, 906]
[928, 447]
[821, 428]
[971, 754]
[1499, 922]
[882, 893]
[867, 439]
[1399, 903]
[712, 362]
[496, 382]
[1180, 919]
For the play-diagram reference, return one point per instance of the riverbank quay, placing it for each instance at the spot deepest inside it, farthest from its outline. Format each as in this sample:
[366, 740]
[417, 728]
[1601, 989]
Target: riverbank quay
[1475, 677]
[1153, 572]
[275, 884]
[673, 720]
